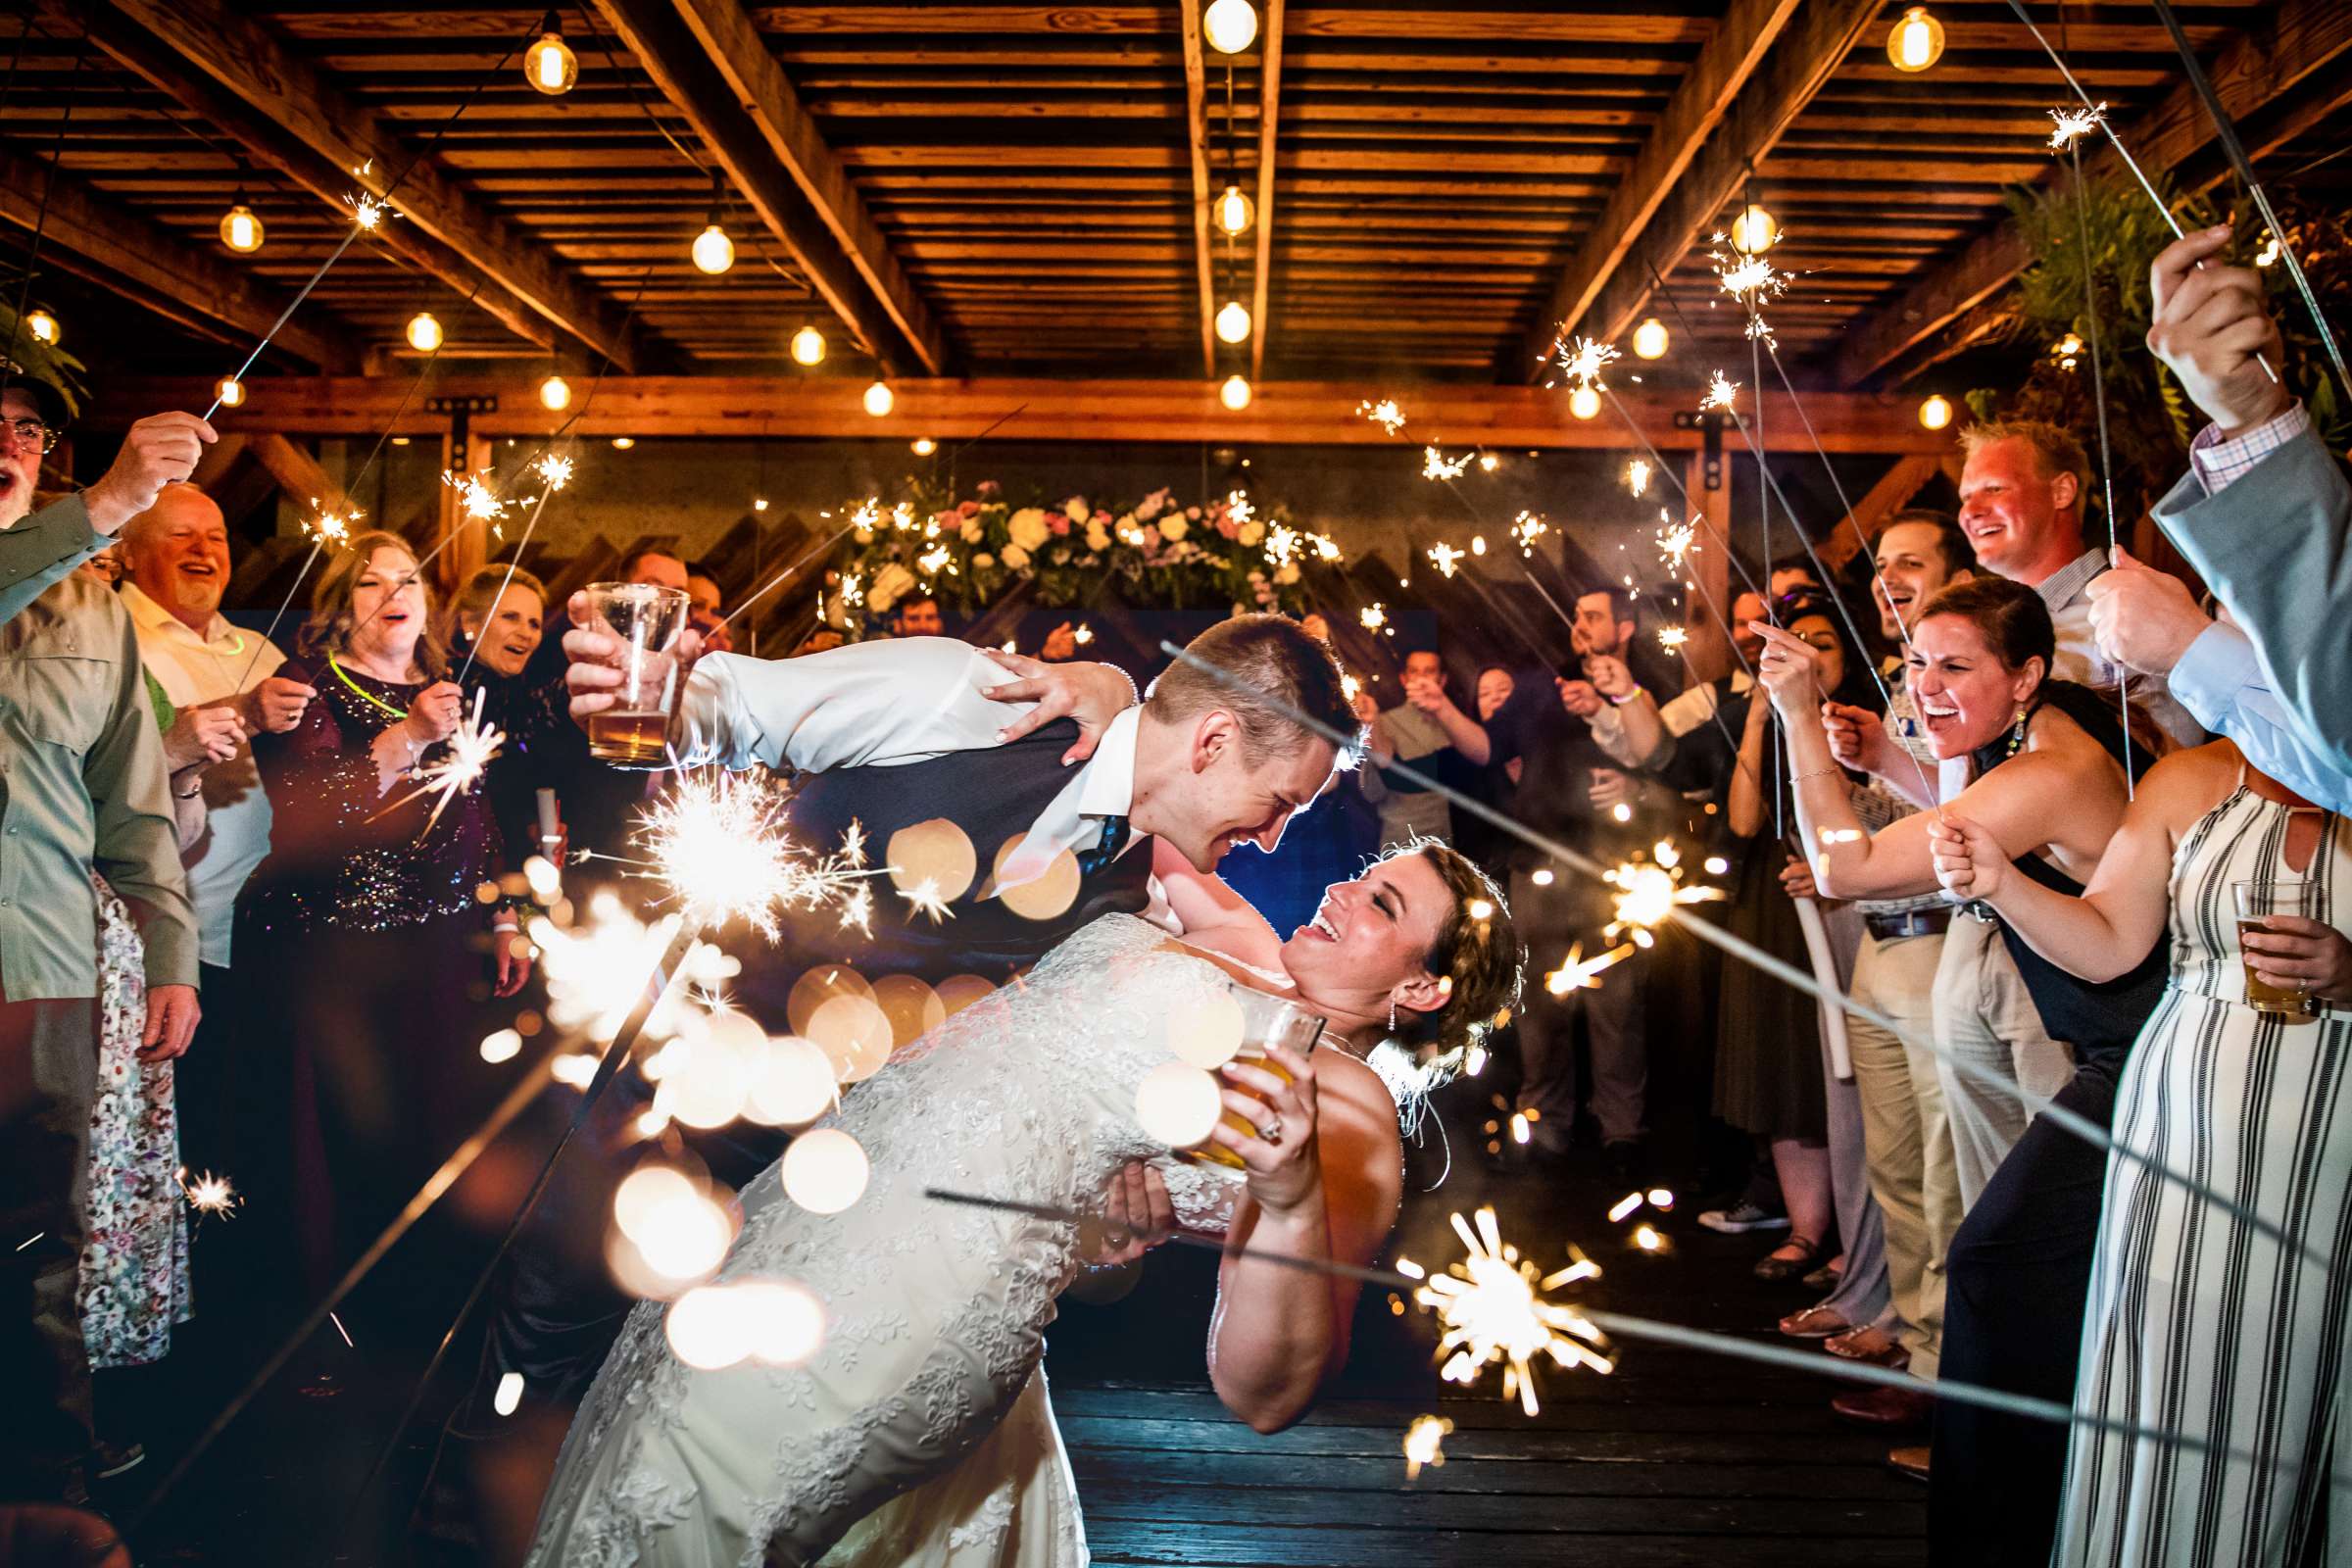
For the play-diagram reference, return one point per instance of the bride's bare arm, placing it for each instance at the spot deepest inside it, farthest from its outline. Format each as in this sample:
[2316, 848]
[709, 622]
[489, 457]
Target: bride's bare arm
[1212, 914]
[1280, 1330]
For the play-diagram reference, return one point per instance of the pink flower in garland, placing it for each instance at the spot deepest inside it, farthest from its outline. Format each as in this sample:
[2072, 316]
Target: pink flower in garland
[1058, 522]
[969, 509]
[990, 488]
[1226, 526]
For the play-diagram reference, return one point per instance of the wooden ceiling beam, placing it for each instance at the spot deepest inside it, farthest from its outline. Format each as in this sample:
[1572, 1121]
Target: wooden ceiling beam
[1807, 53]
[1196, 124]
[2257, 67]
[157, 267]
[1715, 79]
[802, 407]
[875, 296]
[234, 74]
[1269, 114]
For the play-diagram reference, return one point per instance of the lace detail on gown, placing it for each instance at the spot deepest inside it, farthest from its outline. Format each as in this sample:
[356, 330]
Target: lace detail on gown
[935, 1312]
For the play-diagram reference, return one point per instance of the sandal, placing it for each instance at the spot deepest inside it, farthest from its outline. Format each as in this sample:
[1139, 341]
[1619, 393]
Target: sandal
[1775, 1268]
[1828, 1277]
[1818, 1322]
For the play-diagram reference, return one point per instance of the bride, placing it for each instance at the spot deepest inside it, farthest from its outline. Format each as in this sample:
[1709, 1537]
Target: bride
[935, 1314]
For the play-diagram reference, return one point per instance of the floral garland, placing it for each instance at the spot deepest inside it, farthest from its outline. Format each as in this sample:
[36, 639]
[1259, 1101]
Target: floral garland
[1157, 553]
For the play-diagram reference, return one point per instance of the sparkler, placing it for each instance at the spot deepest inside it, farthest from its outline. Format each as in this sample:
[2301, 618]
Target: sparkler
[333, 527]
[1648, 892]
[553, 470]
[925, 897]
[1672, 638]
[1495, 1310]
[1374, 616]
[1722, 391]
[1434, 465]
[1421, 1443]
[1583, 361]
[211, 1196]
[719, 843]
[1637, 476]
[1580, 973]
[475, 497]
[1526, 529]
[1444, 557]
[2072, 124]
[1384, 413]
[470, 748]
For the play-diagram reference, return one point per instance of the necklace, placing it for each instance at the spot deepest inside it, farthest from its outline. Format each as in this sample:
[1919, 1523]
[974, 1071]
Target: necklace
[367, 697]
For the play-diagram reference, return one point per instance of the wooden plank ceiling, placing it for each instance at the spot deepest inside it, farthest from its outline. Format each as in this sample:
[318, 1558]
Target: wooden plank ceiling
[994, 187]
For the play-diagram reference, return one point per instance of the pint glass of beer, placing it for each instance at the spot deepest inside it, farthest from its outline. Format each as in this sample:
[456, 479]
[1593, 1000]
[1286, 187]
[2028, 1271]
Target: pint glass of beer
[1265, 1020]
[2256, 903]
[647, 618]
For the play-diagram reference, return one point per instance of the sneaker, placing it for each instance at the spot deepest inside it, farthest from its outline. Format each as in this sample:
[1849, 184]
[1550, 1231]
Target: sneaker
[108, 1460]
[1741, 1217]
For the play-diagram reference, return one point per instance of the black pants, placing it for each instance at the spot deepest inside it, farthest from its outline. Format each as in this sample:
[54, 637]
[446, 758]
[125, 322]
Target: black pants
[48, 1083]
[2017, 1281]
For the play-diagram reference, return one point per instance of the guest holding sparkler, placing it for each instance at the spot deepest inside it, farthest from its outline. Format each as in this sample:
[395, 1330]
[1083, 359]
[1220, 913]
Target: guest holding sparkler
[499, 618]
[2019, 1267]
[367, 917]
[1437, 739]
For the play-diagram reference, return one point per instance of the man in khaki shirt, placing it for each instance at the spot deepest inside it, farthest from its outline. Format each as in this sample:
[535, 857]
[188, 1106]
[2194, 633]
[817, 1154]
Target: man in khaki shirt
[82, 789]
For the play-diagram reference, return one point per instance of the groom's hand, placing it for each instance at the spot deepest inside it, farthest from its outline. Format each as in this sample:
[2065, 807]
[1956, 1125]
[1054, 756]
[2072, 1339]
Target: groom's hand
[1091, 694]
[1137, 1216]
[593, 655]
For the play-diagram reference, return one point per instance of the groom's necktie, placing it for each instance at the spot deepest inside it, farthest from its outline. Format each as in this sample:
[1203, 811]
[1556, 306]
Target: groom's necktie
[1107, 848]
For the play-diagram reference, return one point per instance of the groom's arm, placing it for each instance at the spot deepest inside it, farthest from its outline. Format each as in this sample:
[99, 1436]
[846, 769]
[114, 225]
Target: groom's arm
[864, 704]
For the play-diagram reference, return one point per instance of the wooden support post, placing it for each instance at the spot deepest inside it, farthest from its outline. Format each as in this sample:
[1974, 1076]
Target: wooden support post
[1708, 649]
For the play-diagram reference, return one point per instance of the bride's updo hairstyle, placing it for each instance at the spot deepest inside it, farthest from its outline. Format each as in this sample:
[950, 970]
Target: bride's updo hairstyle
[1477, 957]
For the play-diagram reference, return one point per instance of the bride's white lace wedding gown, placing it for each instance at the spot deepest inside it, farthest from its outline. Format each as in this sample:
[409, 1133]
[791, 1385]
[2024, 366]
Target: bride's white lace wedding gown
[935, 1312]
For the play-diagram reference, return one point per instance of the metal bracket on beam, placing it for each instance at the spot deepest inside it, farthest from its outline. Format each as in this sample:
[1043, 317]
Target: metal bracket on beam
[1711, 425]
[472, 403]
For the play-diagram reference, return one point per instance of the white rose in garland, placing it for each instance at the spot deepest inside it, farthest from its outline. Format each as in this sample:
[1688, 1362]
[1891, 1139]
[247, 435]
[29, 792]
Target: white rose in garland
[1173, 527]
[890, 582]
[1028, 528]
[1015, 558]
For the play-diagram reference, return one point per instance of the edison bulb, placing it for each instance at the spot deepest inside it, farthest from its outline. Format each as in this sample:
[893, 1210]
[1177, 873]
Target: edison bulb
[1235, 212]
[924, 446]
[241, 230]
[1650, 339]
[43, 328]
[879, 399]
[555, 394]
[809, 346]
[1754, 231]
[1231, 26]
[425, 332]
[1235, 393]
[230, 391]
[1233, 323]
[1584, 402]
[1917, 41]
[1936, 413]
[714, 252]
[622, 443]
[550, 65]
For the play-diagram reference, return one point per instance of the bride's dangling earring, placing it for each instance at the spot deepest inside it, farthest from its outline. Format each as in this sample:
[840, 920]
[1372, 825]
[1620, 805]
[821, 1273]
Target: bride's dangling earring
[1392, 1015]
[2017, 736]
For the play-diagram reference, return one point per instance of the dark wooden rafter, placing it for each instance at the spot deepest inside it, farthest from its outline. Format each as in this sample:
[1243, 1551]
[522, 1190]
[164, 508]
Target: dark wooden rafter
[1195, 123]
[1715, 79]
[1269, 118]
[2300, 37]
[1807, 53]
[155, 265]
[287, 115]
[875, 294]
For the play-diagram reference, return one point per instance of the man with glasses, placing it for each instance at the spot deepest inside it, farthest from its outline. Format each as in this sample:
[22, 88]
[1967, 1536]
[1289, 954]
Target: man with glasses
[38, 549]
[82, 789]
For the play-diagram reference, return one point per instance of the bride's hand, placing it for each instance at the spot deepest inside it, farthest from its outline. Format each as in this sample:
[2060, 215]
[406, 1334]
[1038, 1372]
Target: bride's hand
[1137, 1216]
[1285, 1173]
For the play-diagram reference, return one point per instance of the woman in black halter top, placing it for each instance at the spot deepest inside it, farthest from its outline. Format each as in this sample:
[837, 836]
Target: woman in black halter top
[2050, 789]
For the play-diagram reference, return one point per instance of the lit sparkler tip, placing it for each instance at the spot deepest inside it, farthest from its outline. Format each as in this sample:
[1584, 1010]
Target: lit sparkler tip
[367, 210]
[1637, 475]
[717, 841]
[1495, 1308]
[1384, 413]
[334, 528]
[1444, 557]
[1434, 465]
[480, 503]
[1579, 974]
[2070, 126]
[1675, 544]
[1374, 615]
[210, 1193]
[1747, 279]
[1672, 638]
[1583, 360]
[925, 897]
[1422, 1441]
[554, 470]
[1722, 392]
[1526, 529]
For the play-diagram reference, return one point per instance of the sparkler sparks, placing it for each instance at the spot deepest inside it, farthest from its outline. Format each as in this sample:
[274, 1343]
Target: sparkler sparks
[334, 528]
[1675, 543]
[1579, 974]
[367, 210]
[717, 842]
[1749, 280]
[1494, 1309]
[2070, 126]
[553, 470]
[1421, 1443]
[1384, 413]
[1374, 615]
[1526, 529]
[1583, 361]
[1672, 638]
[1435, 464]
[938, 558]
[1637, 475]
[208, 1195]
[481, 503]
[1444, 557]
[470, 748]
[1648, 892]
[1722, 391]
[925, 897]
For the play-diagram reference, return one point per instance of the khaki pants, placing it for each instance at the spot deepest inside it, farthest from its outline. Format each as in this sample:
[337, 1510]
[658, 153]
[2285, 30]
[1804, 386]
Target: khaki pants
[1907, 1143]
[1984, 1016]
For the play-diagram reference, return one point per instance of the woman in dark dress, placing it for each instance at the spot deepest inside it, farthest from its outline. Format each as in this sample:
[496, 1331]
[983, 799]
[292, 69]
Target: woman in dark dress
[2049, 790]
[1768, 1076]
[499, 621]
[367, 933]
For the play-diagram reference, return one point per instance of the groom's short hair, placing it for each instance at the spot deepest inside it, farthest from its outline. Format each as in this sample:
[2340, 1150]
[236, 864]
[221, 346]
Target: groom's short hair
[1264, 670]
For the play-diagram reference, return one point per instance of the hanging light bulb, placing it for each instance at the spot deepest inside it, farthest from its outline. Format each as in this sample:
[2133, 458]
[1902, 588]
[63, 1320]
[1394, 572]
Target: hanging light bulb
[1233, 323]
[1936, 413]
[425, 332]
[714, 252]
[240, 226]
[1917, 41]
[230, 391]
[555, 394]
[808, 346]
[1235, 212]
[1584, 402]
[1235, 393]
[924, 446]
[622, 443]
[42, 327]
[549, 64]
[1650, 339]
[1754, 231]
[879, 399]
[1231, 26]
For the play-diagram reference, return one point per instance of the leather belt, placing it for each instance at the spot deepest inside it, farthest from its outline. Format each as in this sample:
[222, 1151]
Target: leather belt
[1907, 923]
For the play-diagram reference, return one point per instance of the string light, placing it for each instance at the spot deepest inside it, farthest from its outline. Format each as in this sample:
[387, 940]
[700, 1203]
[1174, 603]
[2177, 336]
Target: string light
[2066, 351]
[714, 252]
[1916, 41]
[1754, 231]
[1584, 402]
[1650, 340]
[555, 394]
[1233, 323]
[1235, 212]
[622, 443]
[924, 446]
[43, 328]
[241, 226]
[1936, 413]
[1230, 25]
[1235, 393]
[879, 399]
[230, 391]
[808, 346]
[425, 332]
[550, 65]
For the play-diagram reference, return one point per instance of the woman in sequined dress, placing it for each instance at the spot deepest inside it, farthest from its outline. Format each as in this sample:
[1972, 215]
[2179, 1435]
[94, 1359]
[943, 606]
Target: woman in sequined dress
[369, 933]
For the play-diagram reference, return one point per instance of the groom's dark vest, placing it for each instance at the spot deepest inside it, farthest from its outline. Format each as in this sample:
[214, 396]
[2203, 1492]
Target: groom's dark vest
[992, 796]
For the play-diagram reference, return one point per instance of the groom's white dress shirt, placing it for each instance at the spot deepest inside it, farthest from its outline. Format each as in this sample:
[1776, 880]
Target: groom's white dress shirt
[886, 703]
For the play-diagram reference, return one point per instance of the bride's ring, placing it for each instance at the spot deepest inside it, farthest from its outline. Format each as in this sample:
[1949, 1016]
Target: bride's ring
[1271, 1132]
